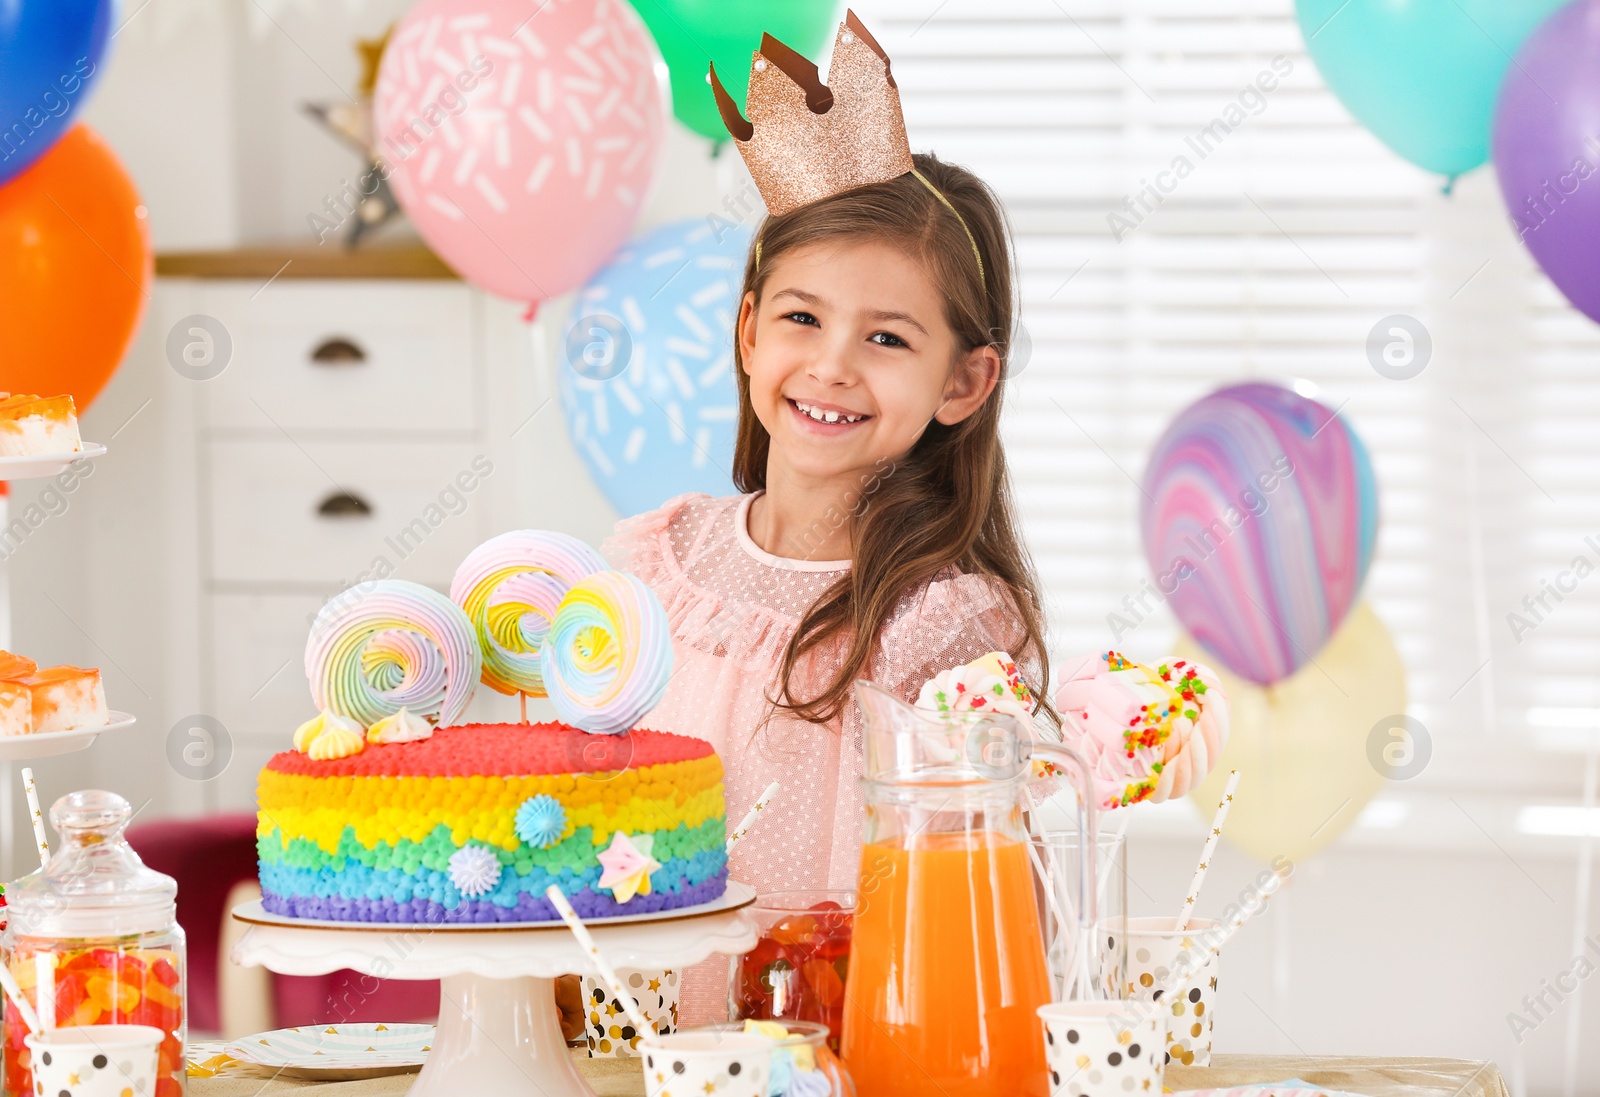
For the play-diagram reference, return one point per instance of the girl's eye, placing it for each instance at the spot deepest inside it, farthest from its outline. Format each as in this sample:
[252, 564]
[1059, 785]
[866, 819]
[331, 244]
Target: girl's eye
[807, 317]
[898, 342]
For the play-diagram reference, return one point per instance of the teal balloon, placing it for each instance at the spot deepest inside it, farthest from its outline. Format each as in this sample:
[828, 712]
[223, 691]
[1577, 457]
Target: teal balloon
[694, 33]
[1422, 75]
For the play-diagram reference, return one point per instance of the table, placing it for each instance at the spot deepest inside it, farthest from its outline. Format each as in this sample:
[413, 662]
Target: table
[1373, 1077]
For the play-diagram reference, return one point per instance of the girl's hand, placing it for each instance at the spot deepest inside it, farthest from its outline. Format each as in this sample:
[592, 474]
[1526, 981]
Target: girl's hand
[569, 1000]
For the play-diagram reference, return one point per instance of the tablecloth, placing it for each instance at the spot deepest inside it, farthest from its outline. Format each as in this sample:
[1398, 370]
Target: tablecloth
[1407, 1077]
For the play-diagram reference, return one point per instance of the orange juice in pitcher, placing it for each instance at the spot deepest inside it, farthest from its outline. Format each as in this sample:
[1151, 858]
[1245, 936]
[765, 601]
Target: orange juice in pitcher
[947, 965]
[941, 1001]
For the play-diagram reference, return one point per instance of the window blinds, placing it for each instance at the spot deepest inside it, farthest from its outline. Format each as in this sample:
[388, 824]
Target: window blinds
[1192, 207]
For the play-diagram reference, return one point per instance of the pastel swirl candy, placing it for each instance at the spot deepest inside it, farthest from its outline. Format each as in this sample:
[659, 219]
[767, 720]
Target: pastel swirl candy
[1146, 733]
[1259, 518]
[510, 587]
[608, 656]
[389, 645]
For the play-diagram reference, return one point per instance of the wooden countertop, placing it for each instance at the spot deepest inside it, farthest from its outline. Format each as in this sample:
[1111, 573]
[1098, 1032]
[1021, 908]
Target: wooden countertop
[330, 260]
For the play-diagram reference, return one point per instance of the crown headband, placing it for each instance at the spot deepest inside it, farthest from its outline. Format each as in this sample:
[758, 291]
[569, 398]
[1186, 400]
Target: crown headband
[805, 141]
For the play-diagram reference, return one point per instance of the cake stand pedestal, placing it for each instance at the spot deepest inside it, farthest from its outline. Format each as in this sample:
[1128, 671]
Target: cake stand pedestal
[499, 1031]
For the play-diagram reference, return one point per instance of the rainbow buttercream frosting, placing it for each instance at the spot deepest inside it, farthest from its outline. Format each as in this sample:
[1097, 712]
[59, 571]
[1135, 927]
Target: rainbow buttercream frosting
[371, 837]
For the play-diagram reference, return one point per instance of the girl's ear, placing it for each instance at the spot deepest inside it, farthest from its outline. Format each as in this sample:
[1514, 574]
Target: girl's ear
[746, 329]
[970, 384]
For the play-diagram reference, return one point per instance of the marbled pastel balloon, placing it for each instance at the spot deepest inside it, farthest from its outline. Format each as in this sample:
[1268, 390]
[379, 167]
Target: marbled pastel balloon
[1259, 517]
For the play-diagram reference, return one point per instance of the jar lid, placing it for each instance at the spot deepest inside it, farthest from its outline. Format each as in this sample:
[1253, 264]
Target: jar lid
[95, 885]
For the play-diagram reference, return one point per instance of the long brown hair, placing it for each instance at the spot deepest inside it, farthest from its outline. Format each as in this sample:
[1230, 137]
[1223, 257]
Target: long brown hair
[946, 502]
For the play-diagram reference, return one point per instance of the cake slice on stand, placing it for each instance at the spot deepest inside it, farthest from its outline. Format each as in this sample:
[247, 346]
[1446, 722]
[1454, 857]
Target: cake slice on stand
[67, 699]
[37, 702]
[31, 426]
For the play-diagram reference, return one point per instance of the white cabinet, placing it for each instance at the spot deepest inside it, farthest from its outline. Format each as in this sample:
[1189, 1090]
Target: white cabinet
[362, 426]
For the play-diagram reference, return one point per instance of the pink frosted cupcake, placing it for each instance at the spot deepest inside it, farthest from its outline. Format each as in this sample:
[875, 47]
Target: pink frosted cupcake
[1147, 733]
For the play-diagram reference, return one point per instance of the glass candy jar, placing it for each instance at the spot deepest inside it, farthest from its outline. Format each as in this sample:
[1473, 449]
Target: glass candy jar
[94, 939]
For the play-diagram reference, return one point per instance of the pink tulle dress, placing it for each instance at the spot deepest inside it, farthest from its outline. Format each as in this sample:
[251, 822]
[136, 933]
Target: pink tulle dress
[732, 608]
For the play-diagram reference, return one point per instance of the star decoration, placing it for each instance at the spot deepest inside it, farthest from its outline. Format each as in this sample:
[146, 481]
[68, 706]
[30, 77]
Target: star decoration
[628, 865]
[371, 51]
[373, 203]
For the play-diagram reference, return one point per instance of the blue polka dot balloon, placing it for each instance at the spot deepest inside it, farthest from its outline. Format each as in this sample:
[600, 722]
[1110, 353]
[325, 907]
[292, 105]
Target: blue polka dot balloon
[646, 377]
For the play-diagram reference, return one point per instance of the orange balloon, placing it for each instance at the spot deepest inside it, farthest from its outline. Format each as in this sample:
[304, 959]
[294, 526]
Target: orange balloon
[75, 270]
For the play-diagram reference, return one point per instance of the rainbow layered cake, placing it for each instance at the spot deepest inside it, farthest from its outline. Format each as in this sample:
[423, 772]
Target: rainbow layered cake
[391, 809]
[473, 824]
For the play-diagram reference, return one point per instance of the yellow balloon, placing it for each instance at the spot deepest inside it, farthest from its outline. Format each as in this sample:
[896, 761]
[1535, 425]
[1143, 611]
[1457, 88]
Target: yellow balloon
[1300, 745]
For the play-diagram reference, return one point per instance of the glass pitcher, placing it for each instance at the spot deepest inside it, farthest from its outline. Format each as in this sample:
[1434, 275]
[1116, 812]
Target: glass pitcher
[947, 967]
[94, 940]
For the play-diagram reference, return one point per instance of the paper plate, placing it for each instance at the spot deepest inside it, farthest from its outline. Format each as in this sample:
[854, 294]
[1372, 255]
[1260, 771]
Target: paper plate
[335, 1052]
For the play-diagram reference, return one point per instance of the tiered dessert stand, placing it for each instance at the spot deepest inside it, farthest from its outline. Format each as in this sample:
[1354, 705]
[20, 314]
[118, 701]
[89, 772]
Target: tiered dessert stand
[499, 1032]
[23, 748]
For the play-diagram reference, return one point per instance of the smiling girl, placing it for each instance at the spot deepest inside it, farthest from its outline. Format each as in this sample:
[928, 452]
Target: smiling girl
[876, 536]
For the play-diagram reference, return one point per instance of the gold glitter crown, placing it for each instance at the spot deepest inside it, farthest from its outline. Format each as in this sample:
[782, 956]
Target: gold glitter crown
[805, 140]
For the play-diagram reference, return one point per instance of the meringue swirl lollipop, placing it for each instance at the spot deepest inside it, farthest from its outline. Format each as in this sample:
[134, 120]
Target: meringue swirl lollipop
[1147, 733]
[608, 656]
[388, 645]
[510, 587]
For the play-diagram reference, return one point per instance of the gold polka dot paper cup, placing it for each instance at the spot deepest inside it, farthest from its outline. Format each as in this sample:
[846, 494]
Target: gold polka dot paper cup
[607, 1030]
[96, 1060]
[1103, 1049]
[698, 1061]
[1158, 953]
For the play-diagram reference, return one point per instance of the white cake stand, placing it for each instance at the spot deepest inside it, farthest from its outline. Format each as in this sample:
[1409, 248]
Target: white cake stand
[499, 1032]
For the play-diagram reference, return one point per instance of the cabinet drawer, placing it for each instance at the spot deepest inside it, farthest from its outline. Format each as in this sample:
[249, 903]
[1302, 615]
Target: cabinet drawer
[332, 513]
[340, 355]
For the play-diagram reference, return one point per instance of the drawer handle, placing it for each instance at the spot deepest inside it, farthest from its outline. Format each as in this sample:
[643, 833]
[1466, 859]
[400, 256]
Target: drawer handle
[338, 351]
[342, 504]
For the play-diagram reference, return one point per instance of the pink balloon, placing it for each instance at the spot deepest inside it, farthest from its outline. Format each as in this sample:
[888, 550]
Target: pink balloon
[522, 137]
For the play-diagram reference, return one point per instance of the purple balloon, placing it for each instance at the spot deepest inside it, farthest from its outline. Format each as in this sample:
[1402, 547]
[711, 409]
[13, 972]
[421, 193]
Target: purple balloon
[1547, 150]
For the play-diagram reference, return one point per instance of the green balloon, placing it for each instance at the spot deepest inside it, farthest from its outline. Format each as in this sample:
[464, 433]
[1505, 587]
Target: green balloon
[694, 33]
[1421, 74]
